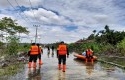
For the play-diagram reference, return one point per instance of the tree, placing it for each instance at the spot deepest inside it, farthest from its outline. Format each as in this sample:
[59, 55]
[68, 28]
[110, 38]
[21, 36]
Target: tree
[10, 26]
[13, 45]
[109, 36]
[94, 31]
[107, 30]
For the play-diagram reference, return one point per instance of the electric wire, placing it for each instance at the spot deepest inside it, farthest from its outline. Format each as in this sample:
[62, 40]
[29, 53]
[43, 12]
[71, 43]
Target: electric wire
[32, 10]
[22, 10]
[15, 9]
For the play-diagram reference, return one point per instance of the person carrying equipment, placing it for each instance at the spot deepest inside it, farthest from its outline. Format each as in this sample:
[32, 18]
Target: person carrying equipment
[62, 52]
[33, 53]
[89, 55]
[39, 55]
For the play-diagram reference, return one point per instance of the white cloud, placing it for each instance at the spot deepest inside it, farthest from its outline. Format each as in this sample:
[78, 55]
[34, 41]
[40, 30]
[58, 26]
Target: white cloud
[3, 15]
[26, 3]
[47, 17]
[54, 15]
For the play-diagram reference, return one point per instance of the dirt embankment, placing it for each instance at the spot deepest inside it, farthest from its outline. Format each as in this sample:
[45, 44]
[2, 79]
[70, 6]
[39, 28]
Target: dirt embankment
[11, 64]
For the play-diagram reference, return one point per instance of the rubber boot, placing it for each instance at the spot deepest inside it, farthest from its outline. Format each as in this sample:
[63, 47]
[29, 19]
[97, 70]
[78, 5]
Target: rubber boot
[64, 68]
[86, 60]
[29, 64]
[34, 65]
[92, 61]
[59, 66]
[40, 62]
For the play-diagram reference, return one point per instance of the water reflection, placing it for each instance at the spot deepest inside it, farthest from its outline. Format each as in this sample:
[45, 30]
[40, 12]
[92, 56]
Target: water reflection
[61, 75]
[48, 53]
[52, 54]
[89, 67]
[76, 70]
[34, 74]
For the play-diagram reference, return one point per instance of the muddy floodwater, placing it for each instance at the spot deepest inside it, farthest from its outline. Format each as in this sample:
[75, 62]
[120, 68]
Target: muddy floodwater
[76, 70]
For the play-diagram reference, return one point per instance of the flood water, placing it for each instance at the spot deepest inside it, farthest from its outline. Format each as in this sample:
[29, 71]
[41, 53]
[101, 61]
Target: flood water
[76, 70]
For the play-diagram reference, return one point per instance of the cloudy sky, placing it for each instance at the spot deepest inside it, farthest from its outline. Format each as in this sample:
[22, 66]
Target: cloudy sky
[64, 20]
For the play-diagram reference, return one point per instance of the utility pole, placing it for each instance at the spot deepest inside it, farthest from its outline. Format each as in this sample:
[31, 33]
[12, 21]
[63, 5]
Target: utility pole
[36, 31]
[39, 39]
[31, 41]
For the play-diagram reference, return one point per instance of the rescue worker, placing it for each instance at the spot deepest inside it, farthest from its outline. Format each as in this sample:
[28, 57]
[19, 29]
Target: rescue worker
[39, 55]
[89, 55]
[33, 53]
[62, 52]
[48, 48]
[52, 48]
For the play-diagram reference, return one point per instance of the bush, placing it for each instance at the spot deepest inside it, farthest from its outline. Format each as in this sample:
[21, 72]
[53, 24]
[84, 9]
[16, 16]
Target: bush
[13, 45]
[82, 47]
[121, 47]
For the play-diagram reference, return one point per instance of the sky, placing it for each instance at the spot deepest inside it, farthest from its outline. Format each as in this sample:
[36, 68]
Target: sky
[64, 20]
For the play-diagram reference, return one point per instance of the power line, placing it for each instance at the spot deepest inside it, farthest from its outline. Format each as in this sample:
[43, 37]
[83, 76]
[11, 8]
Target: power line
[21, 9]
[36, 23]
[15, 9]
[32, 10]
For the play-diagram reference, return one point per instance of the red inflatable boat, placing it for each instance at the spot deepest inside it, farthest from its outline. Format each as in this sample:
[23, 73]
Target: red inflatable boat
[83, 57]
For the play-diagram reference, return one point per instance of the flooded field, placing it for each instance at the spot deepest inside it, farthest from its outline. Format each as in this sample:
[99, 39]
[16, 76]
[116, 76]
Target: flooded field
[76, 70]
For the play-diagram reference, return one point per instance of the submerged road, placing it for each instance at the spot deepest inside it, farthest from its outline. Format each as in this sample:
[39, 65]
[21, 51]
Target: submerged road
[76, 70]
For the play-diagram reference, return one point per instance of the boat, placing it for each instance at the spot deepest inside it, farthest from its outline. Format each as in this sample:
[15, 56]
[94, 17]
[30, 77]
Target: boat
[79, 56]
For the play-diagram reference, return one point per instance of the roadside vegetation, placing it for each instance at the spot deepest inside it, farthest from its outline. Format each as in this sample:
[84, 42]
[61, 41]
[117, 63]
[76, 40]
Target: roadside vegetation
[105, 42]
[10, 46]
[108, 45]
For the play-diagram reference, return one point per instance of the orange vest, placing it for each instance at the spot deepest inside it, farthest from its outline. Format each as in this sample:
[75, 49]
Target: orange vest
[34, 50]
[89, 52]
[62, 49]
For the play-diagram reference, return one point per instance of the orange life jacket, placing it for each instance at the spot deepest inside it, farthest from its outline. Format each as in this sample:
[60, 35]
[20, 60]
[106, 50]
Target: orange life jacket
[62, 49]
[89, 52]
[34, 50]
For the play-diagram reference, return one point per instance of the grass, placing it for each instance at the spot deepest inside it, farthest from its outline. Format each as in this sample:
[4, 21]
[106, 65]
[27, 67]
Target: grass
[11, 69]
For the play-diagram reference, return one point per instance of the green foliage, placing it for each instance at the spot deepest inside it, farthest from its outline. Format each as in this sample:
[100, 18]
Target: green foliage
[24, 47]
[10, 26]
[109, 36]
[105, 41]
[82, 47]
[13, 45]
[1, 44]
[91, 37]
[121, 47]
[11, 69]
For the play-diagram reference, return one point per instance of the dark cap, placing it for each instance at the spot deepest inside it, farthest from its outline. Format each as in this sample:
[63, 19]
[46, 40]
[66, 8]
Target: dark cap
[37, 44]
[62, 42]
[33, 43]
